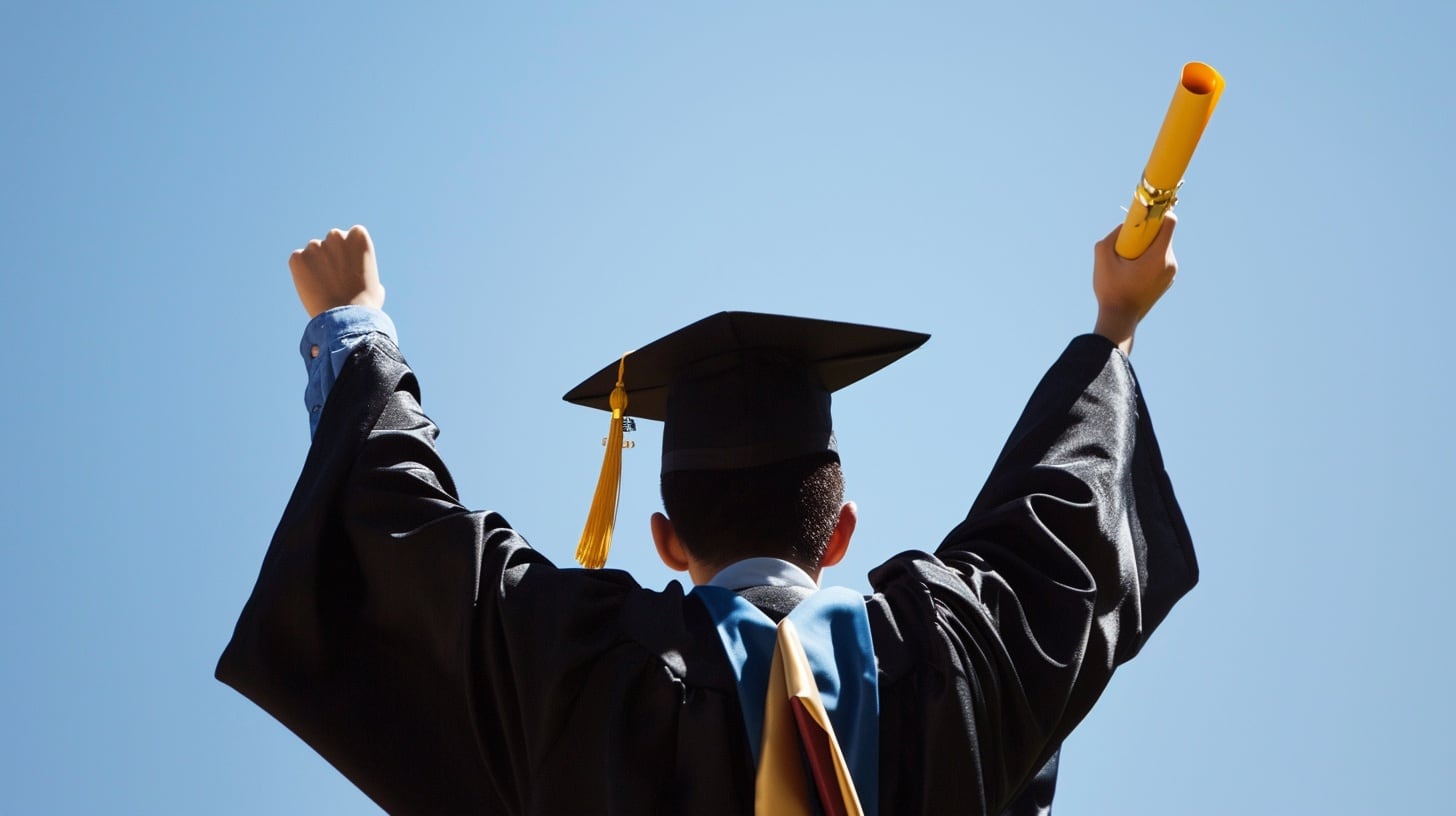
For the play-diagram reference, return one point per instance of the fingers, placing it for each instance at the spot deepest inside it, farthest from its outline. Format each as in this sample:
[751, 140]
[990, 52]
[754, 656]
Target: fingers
[298, 266]
[359, 233]
[337, 270]
[1158, 252]
[303, 257]
[1165, 234]
[305, 253]
[358, 247]
[308, 267]
[333, 247]
[1162, 247]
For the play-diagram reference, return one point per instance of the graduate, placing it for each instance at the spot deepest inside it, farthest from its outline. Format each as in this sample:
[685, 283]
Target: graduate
[446, 667]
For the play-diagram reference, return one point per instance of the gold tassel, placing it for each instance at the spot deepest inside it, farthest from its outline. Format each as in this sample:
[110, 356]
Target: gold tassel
[596, 537]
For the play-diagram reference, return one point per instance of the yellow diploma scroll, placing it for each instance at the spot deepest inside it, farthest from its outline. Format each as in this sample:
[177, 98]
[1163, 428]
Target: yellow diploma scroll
[1188, 114]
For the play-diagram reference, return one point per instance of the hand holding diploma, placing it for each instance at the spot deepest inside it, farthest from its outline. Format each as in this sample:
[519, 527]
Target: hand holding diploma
[1193, 102]
[1128, 288]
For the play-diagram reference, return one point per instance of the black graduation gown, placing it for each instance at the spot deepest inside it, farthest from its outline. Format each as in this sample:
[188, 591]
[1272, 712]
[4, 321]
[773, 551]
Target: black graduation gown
[445, 667]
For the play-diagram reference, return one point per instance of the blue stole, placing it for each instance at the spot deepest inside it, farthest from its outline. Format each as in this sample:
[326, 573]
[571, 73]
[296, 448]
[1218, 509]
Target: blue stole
[835, 630]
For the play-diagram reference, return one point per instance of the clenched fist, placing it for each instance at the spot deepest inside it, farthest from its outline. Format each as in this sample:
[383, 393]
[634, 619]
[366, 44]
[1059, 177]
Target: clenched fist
[337, 271]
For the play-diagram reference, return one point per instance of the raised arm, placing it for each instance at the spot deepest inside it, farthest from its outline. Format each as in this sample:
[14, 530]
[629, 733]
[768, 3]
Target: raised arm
[1071, 555]
[378, 630]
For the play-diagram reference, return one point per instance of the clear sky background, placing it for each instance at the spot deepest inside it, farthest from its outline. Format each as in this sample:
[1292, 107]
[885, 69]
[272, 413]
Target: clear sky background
[552, 184]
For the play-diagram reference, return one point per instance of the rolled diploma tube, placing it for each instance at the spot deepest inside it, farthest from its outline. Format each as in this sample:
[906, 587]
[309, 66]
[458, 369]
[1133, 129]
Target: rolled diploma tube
[1188, 114]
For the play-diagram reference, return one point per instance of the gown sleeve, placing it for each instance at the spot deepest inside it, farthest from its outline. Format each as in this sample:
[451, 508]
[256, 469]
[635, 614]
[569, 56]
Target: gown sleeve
[995, 647]
[379, 629]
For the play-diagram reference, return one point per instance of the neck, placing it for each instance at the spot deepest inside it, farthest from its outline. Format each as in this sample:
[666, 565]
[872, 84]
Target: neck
[755, 571]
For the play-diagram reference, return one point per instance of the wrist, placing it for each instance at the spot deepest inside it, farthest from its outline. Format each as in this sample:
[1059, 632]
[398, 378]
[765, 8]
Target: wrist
[1117, 325]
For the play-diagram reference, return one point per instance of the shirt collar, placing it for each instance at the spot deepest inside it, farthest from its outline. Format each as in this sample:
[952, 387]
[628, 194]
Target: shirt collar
[752, 572]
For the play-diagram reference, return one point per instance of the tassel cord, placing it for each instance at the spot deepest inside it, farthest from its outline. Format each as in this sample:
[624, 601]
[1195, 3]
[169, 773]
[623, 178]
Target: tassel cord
[596, 537]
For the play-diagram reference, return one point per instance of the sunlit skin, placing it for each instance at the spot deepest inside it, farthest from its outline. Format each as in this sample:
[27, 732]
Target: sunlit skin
[340, 270]
[337, 270]
[1126, 290]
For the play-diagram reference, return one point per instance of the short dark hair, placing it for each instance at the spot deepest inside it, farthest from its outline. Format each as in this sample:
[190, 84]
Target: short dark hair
[784, 510]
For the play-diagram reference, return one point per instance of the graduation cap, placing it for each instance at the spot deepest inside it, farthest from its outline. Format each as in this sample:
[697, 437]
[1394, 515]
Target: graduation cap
[734, 390]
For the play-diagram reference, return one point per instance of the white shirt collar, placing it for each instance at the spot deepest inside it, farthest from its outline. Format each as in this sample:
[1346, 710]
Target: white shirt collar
[752, 572]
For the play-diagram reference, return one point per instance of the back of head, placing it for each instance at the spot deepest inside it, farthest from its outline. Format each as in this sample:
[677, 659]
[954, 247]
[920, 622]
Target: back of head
[750, 464]
[782, 510]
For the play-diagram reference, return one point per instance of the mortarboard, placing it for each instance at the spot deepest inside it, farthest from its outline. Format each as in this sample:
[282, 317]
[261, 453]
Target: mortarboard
[734, 390]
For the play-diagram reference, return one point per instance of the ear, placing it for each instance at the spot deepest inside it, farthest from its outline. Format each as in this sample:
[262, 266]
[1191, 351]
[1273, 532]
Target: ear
[669, 546]
[839, 539]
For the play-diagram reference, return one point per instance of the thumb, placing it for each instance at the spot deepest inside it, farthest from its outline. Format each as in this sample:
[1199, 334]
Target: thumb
[1165, 235]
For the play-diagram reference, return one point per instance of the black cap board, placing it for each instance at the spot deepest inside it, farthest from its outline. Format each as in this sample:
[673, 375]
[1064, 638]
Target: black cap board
[743, 389]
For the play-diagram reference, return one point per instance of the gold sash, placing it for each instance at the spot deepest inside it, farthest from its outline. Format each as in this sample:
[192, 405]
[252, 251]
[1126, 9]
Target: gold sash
[799, 747]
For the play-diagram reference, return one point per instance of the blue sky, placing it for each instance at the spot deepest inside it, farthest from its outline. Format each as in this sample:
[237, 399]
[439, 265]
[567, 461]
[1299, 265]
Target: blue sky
[550, 185]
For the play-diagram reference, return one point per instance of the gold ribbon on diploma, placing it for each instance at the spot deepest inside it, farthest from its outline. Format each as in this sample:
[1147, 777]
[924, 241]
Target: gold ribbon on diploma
[1193, 101]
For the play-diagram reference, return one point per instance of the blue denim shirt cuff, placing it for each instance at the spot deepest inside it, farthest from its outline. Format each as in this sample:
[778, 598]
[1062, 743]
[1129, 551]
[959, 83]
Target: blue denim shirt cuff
[335, 333]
